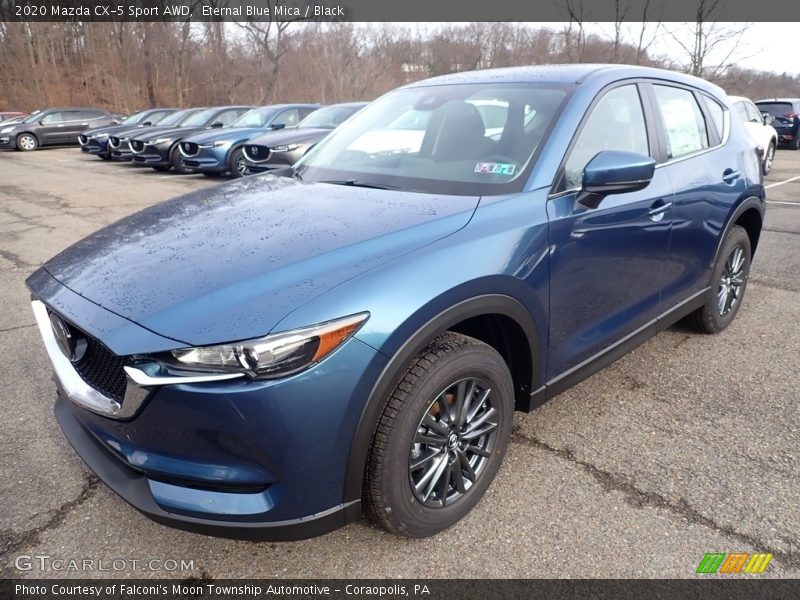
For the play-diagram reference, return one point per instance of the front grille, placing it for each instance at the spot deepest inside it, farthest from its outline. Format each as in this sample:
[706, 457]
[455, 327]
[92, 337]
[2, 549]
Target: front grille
[137, 145]
[82, 139]
[190, 148]
[101, 368]
[256, 153]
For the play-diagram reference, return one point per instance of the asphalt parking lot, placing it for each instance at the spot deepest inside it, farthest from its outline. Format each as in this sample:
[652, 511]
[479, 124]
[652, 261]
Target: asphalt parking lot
[688, 445]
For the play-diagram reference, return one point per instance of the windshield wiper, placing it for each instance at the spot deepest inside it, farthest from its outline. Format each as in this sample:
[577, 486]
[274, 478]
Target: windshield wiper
[374, 186]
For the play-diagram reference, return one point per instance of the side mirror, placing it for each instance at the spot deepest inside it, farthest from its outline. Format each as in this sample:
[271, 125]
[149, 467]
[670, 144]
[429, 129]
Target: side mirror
[217, 125]
[768, 118]
[277, 126]
[146, 124]
[614, 172]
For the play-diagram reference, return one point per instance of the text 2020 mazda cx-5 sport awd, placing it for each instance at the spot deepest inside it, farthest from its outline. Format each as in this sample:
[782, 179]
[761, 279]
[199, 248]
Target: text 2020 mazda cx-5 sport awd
[268, 358]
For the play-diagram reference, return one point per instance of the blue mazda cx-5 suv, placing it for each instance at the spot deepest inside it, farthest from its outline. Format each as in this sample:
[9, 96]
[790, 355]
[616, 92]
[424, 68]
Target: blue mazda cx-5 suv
[267, 358]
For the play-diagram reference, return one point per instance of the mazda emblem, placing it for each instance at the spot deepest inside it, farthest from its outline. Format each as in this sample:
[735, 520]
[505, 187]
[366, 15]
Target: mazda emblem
[71, 347]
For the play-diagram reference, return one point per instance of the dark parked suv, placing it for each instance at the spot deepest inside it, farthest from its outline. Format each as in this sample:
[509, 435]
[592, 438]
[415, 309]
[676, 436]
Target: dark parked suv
[270, 357]
[53, 126]
[785, 113]
[157, 147]
[119, 141]
[95, 141]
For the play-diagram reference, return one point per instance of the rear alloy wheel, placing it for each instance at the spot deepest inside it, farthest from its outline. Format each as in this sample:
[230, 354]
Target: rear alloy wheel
[769, 158]
[728, 284]
[27, 142]
[237, 165]
[441, 438]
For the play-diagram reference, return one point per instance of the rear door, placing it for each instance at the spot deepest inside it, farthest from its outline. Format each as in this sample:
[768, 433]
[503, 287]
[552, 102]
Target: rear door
[75, 121]
[608, 265]
[707, 176]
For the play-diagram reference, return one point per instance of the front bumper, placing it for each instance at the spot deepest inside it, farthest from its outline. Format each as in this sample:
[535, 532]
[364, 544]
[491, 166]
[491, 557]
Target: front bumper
[211, 160]
[95, 146]
[152, 156]
[7, 142]
[238, 458]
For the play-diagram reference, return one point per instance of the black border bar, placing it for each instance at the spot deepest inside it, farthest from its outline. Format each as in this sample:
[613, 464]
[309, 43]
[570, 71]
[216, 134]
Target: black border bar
[427, 11]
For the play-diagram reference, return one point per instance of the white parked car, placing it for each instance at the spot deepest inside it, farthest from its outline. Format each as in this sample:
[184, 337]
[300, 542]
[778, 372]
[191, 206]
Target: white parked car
[763, 134]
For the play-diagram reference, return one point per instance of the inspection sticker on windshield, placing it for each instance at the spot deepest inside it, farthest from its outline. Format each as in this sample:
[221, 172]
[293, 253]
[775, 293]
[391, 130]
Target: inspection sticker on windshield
[495, 168]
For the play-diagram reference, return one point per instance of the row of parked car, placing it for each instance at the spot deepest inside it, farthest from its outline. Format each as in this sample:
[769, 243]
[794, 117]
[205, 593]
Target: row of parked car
[218, 140]
[242, 140]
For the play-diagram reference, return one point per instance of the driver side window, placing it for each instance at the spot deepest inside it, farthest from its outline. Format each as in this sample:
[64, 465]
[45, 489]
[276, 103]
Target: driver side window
[616, 123]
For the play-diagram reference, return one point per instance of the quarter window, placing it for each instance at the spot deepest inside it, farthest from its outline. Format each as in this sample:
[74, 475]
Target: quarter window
[717, 115]
[616, 123]
[683, 120]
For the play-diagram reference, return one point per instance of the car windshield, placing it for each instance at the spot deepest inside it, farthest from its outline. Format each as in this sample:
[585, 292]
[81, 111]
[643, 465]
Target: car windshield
[135, 118]
[450, 139]
[176, 118]
[328, 117]
[34, 116]
[258, 117]
[200, 118]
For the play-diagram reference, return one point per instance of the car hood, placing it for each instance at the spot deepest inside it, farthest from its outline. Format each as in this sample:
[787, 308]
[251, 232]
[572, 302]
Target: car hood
[110, 130]
[230, 134]
[228, 263]
[297, 135]
[153, 133]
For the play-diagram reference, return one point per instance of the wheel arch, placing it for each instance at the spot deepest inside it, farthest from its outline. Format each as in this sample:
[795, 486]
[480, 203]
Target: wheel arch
[496, 319]
[30, 133]
[749, 214]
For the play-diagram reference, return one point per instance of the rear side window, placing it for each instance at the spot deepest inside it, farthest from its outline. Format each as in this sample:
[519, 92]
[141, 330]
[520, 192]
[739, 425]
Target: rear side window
[90, 114]
[616, 123]
[683, 120]
[741, 112]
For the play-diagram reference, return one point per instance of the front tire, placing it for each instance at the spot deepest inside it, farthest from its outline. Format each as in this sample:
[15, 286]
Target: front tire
[237, 165]
[769, 158]
[27, 142]
[441, 438]
[728, 284]
[177, 162]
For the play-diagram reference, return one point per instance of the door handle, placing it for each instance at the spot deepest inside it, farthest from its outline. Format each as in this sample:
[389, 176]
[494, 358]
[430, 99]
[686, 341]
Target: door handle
[729, 176]
[658, 209]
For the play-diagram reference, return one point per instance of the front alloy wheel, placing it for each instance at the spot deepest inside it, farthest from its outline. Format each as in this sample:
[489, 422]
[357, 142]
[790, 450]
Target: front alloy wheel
[453, 443]
[769, 158]
[441, 438]
[26, 142]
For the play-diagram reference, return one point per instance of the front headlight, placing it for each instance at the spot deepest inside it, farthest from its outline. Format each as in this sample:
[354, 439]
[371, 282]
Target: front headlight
[288, 148]
[98, 136]
[6, 129]
[275, 355]
[221, 144]
[160, 141]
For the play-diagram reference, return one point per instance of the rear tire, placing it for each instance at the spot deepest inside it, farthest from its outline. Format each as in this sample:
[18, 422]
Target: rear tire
[431, 460]
[728, 284]
[27, 142]
[769, 157]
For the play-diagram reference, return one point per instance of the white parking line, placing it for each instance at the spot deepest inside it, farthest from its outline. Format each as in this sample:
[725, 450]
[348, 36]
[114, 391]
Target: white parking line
[772, 185]
[779, 202]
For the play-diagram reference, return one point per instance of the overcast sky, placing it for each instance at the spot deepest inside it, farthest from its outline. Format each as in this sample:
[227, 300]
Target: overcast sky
[763, 46]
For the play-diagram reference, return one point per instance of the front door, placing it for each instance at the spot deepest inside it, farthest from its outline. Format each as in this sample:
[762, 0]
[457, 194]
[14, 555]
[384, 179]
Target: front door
[608, 265]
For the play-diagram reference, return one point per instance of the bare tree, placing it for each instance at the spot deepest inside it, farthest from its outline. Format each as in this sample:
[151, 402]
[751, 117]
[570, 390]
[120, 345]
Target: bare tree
[708, 39]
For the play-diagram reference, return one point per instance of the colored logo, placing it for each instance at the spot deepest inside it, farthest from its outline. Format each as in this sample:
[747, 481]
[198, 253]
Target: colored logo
[734, 562]
[495, 168]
